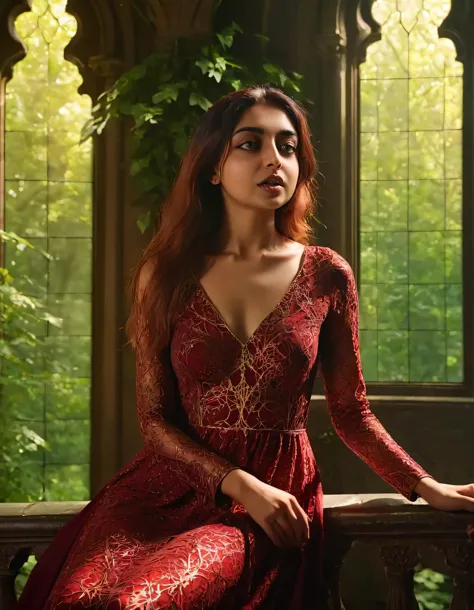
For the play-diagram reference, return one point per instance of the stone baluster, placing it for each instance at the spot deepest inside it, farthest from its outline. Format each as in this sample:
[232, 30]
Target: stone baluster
[11, 560]
[460, 560]
[399, 563]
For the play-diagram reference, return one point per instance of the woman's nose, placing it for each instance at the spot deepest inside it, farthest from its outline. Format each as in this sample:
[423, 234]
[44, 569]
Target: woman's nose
[272, 157]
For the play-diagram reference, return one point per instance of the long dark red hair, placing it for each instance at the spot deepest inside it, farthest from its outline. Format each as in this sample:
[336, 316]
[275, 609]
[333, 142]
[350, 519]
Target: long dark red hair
[191, 216]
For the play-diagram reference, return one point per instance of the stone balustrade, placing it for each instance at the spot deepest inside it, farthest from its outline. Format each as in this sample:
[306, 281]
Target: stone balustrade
[406, 534]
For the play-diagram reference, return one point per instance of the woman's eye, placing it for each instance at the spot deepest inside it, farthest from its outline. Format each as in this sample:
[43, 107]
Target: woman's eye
[249, 145]
[290, 148]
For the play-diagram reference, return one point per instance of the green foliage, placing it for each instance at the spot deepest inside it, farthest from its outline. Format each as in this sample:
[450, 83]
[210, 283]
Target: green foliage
[433, 590]
[166, 95]
[26, 569]
[24, 380]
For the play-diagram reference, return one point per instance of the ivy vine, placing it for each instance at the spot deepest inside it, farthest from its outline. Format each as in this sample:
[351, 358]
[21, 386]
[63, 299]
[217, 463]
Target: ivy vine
[165, 96]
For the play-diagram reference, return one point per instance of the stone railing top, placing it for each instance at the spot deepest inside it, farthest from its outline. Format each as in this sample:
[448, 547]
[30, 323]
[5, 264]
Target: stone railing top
[331, 503]
[336, 501]
[353, 516]
[41, 509]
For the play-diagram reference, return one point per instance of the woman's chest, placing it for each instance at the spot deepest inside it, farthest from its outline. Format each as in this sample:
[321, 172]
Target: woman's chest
[244, 295]
[284, 343]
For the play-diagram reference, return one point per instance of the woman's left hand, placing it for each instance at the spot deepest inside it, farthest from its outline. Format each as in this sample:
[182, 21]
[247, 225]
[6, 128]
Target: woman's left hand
[446, 497]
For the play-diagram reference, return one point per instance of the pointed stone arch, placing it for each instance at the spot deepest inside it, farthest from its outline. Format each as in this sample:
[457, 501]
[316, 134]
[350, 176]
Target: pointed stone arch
[11, 49]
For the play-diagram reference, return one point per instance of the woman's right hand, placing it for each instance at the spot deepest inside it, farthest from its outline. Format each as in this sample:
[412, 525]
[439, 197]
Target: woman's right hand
[277, 512]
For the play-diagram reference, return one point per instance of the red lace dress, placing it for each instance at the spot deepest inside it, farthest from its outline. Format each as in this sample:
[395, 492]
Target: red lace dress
[160, 534]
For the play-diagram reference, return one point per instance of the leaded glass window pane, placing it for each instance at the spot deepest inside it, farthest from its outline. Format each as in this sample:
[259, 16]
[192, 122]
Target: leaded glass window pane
[48, 201]
[410, 198]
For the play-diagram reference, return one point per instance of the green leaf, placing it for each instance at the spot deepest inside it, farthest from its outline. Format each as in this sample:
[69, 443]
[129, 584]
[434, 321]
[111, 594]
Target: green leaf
[215, 74]
[233, 65]
[264, 40]
[236, 27]
[271, 69]
[136, 73]
[21, 243]
[126, 107]
[139, 164]
[87, 130]
[169, 93]
[101, 127]
[236, 84]
[149, 180]
[221, 63]
[144, 221]
[294, 86]
[53, 320]
[204, 64]
[180, 144]
[226, 40]
[138, 110]
[195, 99]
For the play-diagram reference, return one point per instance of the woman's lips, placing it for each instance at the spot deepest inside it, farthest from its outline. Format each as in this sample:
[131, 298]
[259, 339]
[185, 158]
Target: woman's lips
[271, 189]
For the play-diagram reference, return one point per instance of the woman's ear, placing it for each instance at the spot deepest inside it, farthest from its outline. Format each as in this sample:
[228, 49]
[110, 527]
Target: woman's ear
[216, 179]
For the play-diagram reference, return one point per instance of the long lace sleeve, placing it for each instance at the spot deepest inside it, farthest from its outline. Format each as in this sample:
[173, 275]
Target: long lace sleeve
[158, 408]
[157, 402]
[345, 388]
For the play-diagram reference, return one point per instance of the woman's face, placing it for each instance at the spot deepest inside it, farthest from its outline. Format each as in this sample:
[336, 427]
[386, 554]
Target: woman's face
[261, 169]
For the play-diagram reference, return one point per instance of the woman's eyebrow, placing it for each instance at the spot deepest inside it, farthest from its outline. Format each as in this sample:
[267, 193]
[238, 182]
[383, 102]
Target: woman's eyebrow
[260, 130]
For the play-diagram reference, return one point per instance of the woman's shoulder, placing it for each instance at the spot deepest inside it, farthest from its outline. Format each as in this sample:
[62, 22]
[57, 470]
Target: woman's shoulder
[329, 260]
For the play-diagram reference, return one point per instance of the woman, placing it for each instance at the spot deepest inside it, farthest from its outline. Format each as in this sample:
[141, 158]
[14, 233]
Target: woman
[233, 314]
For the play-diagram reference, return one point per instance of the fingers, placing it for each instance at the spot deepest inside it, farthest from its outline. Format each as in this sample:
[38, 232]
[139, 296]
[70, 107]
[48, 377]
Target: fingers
[281, 531]
[467, 502]
[467, 491]
[291, 526]
[470, 530]
[273, 534]
[294, 527]
[303, 522]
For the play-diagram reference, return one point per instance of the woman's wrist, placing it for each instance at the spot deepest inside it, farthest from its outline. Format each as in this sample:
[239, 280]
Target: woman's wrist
[426, 486]
[236, 482]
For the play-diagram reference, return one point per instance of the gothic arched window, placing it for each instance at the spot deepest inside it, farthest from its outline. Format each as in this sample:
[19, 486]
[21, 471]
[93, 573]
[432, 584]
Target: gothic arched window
[48, 202]
[411, 105]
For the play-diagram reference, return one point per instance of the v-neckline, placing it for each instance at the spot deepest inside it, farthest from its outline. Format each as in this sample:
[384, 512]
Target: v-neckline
[267, 317]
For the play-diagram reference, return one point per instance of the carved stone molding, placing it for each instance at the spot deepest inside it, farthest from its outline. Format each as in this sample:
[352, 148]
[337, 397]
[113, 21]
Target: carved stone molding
[331, 38]
[11, 49]
[331, 44]
[367, 30]
[97, 37]
[457, 26]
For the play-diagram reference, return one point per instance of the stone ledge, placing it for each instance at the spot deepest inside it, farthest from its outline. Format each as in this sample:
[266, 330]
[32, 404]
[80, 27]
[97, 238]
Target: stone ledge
[58, 509]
